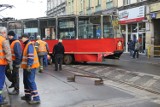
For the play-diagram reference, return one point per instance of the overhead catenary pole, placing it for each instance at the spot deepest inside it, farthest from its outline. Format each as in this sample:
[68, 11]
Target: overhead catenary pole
[5, 6]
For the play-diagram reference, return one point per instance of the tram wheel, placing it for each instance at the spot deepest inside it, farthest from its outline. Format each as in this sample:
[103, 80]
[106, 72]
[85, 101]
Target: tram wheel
[68, 59]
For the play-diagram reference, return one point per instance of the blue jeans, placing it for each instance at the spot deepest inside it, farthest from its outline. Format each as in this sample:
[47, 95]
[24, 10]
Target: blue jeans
[2, 80]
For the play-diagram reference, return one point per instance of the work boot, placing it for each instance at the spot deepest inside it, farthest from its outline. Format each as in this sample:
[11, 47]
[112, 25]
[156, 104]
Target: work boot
[11, 86]
[14, 92]
[4, 102]
[25, 98]
[41, 70]
[34, 102]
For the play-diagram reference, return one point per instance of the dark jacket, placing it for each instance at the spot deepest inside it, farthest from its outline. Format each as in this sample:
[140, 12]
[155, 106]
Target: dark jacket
[58, 49]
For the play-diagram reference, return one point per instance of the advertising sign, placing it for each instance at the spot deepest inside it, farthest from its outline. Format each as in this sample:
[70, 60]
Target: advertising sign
[132, 15]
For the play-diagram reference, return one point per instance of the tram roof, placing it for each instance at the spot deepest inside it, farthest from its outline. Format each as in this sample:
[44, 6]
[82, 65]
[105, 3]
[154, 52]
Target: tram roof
[54, 17]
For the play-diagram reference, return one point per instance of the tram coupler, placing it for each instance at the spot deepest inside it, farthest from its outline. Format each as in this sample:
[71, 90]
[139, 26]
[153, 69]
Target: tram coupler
[97, 82]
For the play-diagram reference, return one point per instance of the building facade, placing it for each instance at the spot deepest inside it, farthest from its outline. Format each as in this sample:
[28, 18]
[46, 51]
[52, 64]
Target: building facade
[139, 20]
[153, 25]
[132, 14]
[56, 7]
[88, 7]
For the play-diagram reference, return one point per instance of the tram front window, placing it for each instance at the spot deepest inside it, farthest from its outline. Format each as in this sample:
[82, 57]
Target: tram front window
[66, 28]
[108, 28]
[89, 27]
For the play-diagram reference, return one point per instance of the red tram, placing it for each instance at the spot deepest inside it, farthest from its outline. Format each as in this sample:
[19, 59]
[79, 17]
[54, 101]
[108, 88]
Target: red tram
[85, 38]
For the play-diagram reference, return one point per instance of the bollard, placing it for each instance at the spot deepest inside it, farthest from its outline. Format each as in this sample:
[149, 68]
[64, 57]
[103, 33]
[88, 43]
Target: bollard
[96, 82]
[71, 79]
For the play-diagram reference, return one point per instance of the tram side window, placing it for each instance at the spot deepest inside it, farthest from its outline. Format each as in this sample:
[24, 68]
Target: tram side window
[108, 28]
[16, 27]
[66, 28]
[89, 27]
[47, 28]
[31, 28]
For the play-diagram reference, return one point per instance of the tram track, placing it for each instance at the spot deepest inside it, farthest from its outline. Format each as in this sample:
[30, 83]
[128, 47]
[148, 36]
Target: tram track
[121, 76]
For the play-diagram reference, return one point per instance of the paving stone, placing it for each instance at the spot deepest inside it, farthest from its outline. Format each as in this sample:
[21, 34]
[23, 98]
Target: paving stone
[143, 80]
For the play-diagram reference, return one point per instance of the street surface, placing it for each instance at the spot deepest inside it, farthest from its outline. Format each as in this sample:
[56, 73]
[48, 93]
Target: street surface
[127, 83]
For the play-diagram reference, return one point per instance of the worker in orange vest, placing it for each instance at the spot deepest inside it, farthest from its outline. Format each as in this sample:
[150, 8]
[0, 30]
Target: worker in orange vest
[42, 50]
[16, 51]
[5, 59]
[29, 64]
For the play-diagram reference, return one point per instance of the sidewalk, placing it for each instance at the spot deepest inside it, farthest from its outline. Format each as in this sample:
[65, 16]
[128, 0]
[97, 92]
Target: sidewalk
[142, 58]
[6, 95]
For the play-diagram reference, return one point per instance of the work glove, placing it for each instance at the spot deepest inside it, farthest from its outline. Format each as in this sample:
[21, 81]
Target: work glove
[10, 67]
[29, 68]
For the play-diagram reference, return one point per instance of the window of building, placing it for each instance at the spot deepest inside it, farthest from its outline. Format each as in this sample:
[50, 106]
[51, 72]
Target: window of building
[89, 3]
[98, 2]
[109, 4]
[81, 5]
[140, 0]
[126, 2]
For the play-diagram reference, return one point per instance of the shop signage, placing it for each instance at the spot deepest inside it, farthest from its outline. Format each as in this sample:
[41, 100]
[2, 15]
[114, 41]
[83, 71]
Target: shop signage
[153, 15]
[132, 15]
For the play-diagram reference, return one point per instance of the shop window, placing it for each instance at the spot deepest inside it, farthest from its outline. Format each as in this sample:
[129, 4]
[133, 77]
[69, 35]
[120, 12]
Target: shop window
[142, 27]
[123, 28]
[134, 27]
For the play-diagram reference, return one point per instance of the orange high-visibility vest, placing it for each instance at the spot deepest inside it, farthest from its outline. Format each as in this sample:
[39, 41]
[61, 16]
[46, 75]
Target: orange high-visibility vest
[3, 60]
[25, 58]
[42, 46]
[12, 49]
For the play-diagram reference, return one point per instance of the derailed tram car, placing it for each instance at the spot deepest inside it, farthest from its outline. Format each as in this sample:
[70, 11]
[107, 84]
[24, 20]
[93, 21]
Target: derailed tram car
[85, 38]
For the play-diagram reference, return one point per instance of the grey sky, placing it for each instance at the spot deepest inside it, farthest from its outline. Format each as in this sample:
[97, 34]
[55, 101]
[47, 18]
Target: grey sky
[24, 8]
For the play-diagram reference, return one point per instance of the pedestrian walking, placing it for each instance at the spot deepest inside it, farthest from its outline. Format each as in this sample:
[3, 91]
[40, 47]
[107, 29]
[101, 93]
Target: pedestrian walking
[136, 50]
[58, 53]
[5, 58]
[29, 64]
[130, 47]
[16, 50]
[42, 50]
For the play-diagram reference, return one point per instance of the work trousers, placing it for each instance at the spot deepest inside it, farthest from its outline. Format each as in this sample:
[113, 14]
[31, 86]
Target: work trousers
[136, 53]
[58, 61]
[45, 61]
[13, 76]
[41, 57]
[30, 87]
[2, 80]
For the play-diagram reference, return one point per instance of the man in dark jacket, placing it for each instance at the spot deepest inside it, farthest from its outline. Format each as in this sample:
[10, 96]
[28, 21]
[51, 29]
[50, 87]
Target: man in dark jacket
[16, 50]
[58, 52]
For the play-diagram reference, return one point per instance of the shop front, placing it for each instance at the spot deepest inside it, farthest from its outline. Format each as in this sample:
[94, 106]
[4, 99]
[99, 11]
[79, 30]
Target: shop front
[132, 26]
